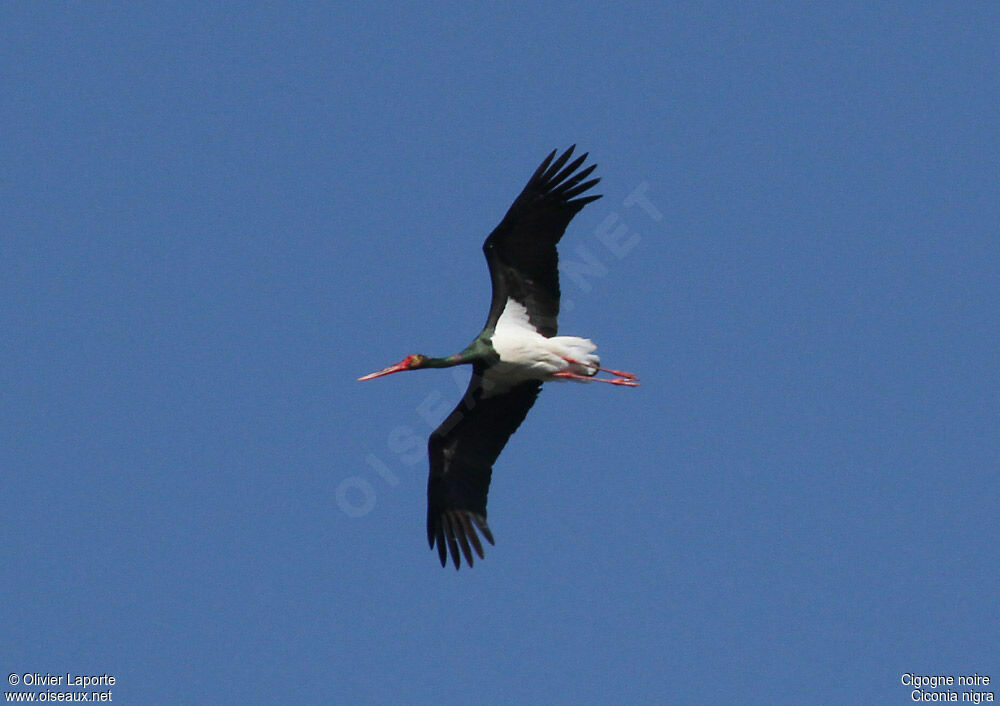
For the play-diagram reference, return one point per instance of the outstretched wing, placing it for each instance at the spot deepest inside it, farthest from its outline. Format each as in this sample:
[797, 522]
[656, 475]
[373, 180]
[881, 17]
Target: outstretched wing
[462, 453]
[521, 251]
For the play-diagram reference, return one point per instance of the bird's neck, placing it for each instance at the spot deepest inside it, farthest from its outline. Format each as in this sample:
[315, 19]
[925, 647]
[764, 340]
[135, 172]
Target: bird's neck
[448, 362]
[476, 350]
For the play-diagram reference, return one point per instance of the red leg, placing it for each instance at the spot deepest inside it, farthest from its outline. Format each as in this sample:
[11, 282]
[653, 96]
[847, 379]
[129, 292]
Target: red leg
[618, 373]
[628, 382]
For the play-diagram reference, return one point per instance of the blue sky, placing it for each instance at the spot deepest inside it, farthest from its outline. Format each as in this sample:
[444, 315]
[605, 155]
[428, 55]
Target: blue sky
[217, 216]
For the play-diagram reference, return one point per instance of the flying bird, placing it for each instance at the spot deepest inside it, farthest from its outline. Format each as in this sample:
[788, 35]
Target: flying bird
[515, 353]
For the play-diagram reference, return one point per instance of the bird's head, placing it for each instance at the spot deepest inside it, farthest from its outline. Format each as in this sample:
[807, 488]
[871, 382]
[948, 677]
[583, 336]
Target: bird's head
[410, 362]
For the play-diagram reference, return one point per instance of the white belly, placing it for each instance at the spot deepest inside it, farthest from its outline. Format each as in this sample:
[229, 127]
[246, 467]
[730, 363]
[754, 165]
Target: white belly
[525, 354]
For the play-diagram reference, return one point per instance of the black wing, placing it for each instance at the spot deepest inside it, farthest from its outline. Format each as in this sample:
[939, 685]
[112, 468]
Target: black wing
[462, 452]
[521, 251]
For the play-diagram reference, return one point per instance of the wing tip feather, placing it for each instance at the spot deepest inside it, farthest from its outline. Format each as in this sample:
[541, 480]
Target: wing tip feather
[454, 534]
[556, 178]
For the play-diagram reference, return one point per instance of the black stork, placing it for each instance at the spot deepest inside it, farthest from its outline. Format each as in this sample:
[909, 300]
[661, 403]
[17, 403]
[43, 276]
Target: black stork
[515, 353]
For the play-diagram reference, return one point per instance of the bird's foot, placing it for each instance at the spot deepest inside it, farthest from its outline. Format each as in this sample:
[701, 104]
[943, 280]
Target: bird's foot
[620, 373]
[627, 382]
